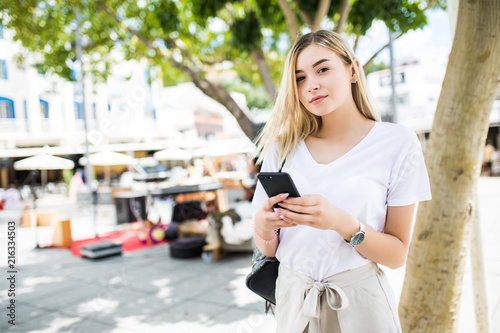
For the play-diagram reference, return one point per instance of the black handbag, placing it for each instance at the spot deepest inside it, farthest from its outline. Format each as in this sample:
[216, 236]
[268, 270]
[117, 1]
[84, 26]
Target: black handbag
[262, 278]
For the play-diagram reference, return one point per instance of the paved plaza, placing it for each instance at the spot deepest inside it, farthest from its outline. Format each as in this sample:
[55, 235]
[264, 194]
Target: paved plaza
[148, 291]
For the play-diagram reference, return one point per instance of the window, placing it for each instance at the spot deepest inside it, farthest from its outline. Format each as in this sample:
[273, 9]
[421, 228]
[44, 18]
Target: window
[3, 69]
[78, 110]
[6, 108]
[44, 108]
[386, 79]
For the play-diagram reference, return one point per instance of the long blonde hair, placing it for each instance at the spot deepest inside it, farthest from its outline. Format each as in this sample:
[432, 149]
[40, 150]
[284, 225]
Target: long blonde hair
[290, 121]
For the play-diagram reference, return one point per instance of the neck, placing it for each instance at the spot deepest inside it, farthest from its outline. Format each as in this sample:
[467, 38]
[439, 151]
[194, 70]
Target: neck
[344, 122]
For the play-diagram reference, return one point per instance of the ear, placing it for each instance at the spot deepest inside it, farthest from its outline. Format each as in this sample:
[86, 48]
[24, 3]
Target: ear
[355, 68]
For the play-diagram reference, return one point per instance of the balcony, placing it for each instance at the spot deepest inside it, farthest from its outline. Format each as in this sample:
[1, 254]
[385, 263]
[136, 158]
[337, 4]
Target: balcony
[12, 125]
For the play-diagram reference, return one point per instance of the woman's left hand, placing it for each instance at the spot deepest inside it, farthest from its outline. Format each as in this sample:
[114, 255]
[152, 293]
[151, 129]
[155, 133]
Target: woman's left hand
[312, 210]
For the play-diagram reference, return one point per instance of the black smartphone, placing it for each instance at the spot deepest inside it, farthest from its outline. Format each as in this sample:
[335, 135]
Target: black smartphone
[275, 183]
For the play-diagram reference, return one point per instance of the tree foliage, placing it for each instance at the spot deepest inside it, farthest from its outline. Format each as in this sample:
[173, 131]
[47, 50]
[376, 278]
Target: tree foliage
[187, 39]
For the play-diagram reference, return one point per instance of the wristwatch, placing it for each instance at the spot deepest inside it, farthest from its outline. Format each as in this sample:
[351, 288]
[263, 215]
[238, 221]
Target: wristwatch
[358, 237]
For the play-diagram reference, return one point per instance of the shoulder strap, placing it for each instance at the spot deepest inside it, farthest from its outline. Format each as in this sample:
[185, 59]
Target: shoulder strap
[282, 165]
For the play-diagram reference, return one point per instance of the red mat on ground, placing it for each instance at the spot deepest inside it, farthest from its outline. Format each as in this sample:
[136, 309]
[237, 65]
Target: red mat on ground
[127, 238]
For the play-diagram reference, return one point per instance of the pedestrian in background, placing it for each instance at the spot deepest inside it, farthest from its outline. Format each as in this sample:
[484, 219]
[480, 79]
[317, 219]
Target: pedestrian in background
[359, 181]
[488, 151]
[75, 183]
[11, 196]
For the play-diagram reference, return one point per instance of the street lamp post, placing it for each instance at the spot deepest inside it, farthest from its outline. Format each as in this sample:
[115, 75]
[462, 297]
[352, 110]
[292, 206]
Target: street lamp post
[393, 116]
[81, 81]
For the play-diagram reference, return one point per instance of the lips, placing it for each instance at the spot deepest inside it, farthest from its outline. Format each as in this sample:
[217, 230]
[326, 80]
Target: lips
[317, 99]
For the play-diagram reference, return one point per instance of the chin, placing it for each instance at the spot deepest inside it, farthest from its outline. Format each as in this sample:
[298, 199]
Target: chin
[322, 113]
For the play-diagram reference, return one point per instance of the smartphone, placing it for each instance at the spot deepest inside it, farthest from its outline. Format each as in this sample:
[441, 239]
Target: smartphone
[275, 183]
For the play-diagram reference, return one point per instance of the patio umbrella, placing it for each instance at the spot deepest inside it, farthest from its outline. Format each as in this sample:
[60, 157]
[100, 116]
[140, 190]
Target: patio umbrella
[42, 162]
[107, 159]
[225, 148]
[172, 154]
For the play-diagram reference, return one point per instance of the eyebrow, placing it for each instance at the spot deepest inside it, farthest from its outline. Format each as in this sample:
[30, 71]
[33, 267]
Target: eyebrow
[314, 65]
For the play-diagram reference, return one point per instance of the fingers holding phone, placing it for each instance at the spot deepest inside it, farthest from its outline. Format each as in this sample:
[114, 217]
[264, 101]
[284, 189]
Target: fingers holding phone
[312, 210]
[279, 186]
[267, 219]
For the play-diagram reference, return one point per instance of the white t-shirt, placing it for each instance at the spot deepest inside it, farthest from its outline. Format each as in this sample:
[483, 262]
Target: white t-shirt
[386, 168]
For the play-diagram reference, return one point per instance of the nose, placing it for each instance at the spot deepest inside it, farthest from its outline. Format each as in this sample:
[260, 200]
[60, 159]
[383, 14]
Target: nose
[312, 86]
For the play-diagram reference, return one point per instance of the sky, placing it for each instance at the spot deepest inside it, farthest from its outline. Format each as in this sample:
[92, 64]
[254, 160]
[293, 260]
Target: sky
[436, 34]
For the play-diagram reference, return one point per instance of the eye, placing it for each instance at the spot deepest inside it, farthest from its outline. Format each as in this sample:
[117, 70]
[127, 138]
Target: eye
[322, 70]
[300, 78]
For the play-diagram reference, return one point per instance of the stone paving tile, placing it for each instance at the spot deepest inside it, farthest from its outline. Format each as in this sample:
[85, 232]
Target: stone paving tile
[34, 288]
[178, 318]
[110, 311]
[148, 291]
[234, 293]
[67, 297]
[56, 322]
[237, 320]
[23, 312]
[103, 303]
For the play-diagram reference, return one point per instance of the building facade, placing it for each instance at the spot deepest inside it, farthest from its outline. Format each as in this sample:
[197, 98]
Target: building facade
[130, 112]
[418, 82]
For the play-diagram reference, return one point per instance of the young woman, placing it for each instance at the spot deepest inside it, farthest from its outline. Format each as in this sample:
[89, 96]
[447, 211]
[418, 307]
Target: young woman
[359, 180]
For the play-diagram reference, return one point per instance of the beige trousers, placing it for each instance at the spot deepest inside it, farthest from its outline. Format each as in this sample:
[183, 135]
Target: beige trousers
[355, 301]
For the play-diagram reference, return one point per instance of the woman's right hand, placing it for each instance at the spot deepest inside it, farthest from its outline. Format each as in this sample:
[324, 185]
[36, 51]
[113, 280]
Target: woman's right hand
[267, 219]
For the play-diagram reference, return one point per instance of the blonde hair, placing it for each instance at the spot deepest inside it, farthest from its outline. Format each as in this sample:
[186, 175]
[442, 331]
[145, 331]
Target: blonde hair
[290, 121]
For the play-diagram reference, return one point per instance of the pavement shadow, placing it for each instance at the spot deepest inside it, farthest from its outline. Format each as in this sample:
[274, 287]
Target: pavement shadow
[140, 291]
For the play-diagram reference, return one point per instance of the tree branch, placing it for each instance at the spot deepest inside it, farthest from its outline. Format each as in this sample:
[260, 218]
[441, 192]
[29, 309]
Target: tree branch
[345, 8]
[377, 53]
[265, 74]
[211, 89]
[322, 11]
[430, 4]
[291, 19]
[356, 41]
[308, 20]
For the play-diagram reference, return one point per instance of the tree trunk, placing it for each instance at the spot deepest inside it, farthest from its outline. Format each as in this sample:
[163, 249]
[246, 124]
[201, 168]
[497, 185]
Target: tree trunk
[432, 288]
[265, 74]
[478, 275]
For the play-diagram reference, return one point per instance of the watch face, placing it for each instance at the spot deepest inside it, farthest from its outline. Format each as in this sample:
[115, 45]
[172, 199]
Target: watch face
[358, 239]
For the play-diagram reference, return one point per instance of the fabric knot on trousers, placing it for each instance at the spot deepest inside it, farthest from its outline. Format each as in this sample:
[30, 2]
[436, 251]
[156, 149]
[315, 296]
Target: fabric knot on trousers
[335, 297]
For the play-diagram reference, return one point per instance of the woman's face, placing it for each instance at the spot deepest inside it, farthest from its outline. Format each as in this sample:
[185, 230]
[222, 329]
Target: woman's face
[323, 80]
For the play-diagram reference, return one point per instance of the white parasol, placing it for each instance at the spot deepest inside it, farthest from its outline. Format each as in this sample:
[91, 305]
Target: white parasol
[44, 162]
[107, 159]
[172, 154]
[225, 147]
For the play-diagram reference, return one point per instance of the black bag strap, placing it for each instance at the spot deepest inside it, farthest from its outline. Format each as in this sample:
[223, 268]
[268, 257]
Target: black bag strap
[269, 307]
[282, 165]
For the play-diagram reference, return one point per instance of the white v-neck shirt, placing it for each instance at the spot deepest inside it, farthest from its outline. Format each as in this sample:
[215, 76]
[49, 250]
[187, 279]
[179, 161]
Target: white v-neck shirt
[386, 168]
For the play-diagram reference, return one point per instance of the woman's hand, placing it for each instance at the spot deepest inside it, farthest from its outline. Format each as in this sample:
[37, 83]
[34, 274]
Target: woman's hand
[315, 211]
[267, 219]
